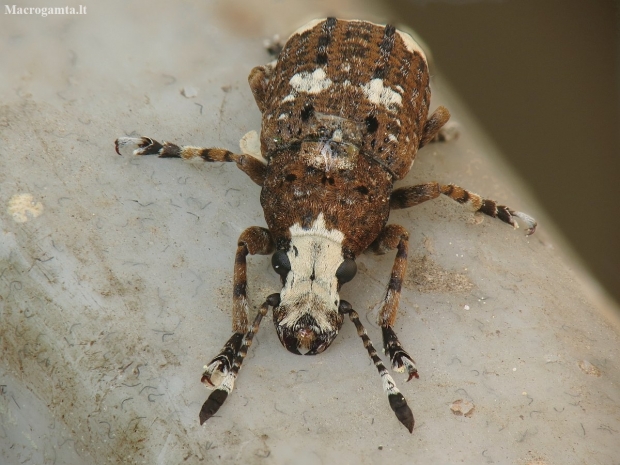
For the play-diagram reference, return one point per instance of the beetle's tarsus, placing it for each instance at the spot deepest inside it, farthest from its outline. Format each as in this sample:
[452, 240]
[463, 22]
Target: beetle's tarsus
[222, 363]
[137, 145]
[400, 359]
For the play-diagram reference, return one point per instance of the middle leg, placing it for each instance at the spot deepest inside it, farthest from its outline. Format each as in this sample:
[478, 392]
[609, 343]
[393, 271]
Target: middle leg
[406, 197]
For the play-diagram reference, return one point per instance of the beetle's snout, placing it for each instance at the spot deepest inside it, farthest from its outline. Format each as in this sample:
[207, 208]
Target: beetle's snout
[306, 336]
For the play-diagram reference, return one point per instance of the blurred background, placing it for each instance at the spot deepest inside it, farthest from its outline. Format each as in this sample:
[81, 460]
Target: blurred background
[543, 79]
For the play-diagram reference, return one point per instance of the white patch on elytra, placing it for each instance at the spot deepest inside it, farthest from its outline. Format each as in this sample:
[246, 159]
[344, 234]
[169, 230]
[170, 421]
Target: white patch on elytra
[311, 83]
[289, 98]
[378, 94]
[283, 116]
[316, 251]
[411, 44]
[392, 138]
[23, 207]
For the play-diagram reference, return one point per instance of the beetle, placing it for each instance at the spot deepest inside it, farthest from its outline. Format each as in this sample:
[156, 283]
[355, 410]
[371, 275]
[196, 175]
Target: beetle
[345, 108]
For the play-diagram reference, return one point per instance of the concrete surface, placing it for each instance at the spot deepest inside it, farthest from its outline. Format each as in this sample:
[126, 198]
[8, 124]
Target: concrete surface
[115, 275]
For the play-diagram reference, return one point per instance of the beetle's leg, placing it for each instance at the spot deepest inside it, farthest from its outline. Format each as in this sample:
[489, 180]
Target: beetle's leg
[254, 168]
[398, 403]
[432, 127]
[392, 237]
[254, 240]
[258, 80]
[405, 197]
[219, 395]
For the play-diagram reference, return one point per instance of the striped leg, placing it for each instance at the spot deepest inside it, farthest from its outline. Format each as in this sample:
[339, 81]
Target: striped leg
[398, 403]
[251, 166]
[254, 240]
[433, 131]
[393, 237]
[406, 197]
[219, 395]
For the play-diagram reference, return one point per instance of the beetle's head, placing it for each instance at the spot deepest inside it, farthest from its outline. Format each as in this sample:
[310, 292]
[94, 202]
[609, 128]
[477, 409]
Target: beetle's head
[312, 269]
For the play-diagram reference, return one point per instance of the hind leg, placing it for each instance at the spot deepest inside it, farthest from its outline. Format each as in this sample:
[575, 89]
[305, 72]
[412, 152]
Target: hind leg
[434, 129]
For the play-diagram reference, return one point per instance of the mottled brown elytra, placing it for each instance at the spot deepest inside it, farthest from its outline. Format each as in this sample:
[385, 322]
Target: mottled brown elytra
[344, 111]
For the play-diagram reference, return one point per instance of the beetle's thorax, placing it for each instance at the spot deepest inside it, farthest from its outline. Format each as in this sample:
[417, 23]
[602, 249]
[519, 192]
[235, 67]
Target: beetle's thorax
[319, 178]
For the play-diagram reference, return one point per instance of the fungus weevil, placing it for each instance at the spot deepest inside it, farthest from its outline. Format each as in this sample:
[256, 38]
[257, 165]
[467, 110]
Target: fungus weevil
[344, 111]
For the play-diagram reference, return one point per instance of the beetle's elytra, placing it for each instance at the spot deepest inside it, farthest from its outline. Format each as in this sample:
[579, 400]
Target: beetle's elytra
[344, 111]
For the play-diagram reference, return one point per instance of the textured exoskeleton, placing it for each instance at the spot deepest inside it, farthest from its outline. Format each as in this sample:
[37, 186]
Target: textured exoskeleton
[344, 111]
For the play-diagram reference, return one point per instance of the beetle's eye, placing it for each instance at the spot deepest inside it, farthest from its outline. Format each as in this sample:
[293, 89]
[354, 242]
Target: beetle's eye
[280, 262]
[346, 271]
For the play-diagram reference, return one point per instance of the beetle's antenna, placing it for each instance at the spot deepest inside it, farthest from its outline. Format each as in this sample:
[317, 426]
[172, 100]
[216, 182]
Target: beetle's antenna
[219, 395]
[398, 403]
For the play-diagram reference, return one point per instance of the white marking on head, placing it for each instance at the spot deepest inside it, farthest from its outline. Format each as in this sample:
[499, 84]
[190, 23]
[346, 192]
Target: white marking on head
[311, 83]
[315, 255]
[283, 116]
[378, 94]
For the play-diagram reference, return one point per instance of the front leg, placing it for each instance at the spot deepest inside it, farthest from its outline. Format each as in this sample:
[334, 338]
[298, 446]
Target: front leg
[219, 395]
[254, 240]
[392, 237]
